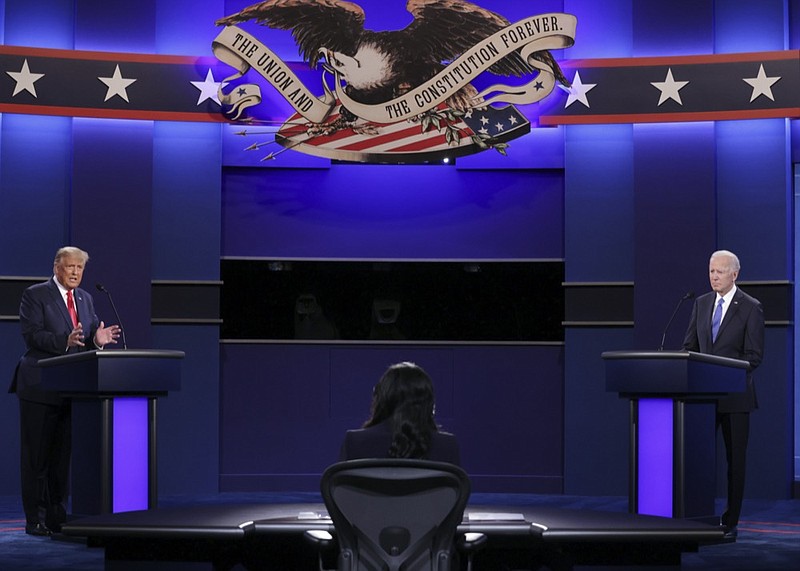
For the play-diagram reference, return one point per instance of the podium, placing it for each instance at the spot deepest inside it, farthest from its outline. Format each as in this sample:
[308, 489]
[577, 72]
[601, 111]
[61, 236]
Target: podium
[114, 395]
[673, 398]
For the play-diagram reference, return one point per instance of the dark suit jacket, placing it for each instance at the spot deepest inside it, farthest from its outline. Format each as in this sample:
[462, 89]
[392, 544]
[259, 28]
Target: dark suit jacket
[374, 442]
[46, 325]
[740, 336]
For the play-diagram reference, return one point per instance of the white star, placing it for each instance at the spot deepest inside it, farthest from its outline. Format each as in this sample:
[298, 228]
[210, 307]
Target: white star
[483, 131]
[578, 90]
[208, 88]
[512, 120]
[761, 84]
[498, 126]
[484, 119]
[669, 88]
[25, 79]
[116, 85]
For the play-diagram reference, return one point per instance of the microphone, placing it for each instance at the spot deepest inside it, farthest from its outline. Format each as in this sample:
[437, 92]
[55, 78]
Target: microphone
[688, 295]
[101, 287]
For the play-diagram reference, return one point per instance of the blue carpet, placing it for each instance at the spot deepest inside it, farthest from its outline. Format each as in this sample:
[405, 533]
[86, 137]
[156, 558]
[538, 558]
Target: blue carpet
[769, 533]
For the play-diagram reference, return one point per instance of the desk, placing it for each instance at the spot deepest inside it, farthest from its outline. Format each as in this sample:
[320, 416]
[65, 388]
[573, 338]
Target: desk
[270, 536]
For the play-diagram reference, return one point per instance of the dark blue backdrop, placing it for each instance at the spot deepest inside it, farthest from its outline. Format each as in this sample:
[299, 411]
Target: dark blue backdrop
[636, 206]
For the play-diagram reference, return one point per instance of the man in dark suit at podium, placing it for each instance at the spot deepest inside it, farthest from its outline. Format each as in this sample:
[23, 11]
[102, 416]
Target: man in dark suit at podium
[56, 317]
[729, 323]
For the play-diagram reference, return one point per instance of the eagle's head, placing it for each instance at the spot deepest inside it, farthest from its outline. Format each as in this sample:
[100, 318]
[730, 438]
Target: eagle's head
[369, 68]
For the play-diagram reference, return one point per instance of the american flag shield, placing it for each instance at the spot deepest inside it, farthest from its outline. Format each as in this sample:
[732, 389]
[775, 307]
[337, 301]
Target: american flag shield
[433, 136]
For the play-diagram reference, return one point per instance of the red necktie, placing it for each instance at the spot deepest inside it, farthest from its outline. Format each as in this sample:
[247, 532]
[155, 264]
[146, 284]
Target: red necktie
[71, 308]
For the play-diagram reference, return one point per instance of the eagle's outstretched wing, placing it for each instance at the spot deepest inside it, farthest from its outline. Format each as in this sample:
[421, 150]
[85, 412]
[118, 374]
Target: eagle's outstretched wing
[448, 28]
[332, 24]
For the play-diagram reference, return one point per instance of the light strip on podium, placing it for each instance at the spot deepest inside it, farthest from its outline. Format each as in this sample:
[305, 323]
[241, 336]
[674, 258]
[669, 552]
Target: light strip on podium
[654, 452]
[130, 462]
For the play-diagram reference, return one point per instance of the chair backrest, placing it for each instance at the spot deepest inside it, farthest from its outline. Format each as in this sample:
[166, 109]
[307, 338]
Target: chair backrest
[395, 514]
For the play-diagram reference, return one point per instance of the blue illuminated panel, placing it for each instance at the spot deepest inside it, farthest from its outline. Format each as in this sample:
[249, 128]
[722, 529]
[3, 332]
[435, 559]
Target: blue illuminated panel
[655, 457]
[130, 462]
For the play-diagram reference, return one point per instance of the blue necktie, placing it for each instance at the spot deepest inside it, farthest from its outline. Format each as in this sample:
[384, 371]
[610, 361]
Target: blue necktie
[716, 320]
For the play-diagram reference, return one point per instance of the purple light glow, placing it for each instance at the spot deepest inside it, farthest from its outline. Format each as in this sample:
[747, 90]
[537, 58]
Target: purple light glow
[130, 462]
[655, 457]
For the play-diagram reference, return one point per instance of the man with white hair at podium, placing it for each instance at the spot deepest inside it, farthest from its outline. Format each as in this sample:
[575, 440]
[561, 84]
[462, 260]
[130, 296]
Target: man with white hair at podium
[729, 323]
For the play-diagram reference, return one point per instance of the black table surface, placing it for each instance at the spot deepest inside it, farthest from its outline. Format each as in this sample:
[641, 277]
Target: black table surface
[237, 521]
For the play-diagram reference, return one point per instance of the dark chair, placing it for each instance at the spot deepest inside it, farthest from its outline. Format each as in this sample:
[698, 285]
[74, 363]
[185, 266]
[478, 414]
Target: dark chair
[395, 514]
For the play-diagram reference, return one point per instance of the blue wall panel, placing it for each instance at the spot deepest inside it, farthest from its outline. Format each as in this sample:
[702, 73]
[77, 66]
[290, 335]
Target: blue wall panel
[793, 19]
[794, 129]
[267, 393]
[186, 246]
[596, 422]
[186, 27]
[504, 403]
[186, 201]
[769, 453]
[188, 419]
[754, 208]
[43, 24]
[796, 316]
[381, 211]
[13, 347]
[598, 197]
[186, 198]
[112, 216]
[508, 413]
[675, 222]
[680, 27]
[747, 26]
[604, 28]
[754, 198]
[599, 247]
[98, 26]
[34, 191]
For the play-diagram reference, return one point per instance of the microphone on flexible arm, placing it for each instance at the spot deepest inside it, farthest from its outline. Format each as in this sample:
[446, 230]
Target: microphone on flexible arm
[688, 295]
[101, 287]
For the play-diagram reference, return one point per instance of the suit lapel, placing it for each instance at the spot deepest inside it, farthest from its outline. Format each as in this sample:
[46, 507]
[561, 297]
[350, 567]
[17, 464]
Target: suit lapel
[704, 322]
[80, 306]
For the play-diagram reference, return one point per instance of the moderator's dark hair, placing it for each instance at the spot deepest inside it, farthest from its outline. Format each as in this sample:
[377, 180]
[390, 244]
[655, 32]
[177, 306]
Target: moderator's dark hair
[404, 397]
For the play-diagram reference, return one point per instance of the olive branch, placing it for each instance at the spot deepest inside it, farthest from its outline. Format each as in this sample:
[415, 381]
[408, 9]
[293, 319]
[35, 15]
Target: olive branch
[444, 119]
